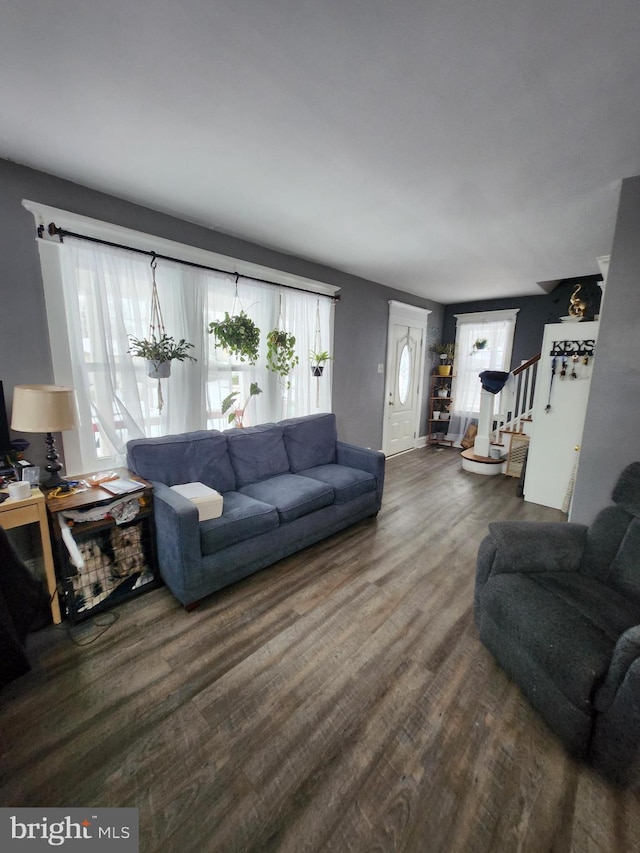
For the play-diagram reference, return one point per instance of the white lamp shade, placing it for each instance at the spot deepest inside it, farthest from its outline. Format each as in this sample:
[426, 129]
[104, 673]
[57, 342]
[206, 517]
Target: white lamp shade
[43, 408]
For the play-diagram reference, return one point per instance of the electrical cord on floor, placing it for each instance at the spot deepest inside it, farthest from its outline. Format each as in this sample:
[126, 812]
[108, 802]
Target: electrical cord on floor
[103, 621]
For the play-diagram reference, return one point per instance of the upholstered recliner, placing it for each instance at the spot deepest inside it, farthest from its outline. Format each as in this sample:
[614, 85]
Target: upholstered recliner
[558, 606]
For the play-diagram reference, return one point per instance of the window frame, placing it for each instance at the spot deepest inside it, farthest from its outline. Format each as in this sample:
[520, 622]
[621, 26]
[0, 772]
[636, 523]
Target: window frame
[77, 443]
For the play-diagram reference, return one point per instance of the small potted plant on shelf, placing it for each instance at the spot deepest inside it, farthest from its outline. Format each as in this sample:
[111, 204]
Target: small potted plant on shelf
[445, 353]
[318, 361]
[236, 415]
[442, 390]
[281, 354]
[445, 411]
[159, 352]
[238, 335]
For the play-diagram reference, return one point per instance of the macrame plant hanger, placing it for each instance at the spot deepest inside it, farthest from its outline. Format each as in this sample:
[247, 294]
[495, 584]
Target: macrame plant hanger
[156, 323]
[318, 348]
[236, 299]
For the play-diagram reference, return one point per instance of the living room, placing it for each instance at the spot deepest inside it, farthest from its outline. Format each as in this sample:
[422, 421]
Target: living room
[420, 482]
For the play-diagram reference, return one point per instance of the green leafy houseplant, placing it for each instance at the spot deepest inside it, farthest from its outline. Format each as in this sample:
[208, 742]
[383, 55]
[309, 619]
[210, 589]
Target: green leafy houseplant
[318, 361]
[237, 414]
[160, 351]
[281, 354]
[238, 335]
[446, 353]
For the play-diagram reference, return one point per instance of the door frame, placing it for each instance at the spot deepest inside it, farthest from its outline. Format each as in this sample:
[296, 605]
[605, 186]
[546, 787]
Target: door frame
[410, 315]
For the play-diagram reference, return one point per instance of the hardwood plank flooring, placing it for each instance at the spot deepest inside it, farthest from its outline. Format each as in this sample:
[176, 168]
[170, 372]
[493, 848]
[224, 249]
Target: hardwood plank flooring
[337, 701]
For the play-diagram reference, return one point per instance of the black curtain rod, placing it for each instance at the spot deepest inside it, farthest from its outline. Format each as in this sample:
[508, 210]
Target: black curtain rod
[54, 231]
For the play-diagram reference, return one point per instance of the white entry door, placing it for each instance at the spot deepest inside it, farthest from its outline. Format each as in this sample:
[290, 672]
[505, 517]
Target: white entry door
[405, 370]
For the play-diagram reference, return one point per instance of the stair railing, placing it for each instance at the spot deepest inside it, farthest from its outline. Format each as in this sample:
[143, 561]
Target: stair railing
[517, 397]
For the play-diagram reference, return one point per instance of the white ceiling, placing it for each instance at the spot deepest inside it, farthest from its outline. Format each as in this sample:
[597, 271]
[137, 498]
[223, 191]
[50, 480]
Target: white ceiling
[455, 150]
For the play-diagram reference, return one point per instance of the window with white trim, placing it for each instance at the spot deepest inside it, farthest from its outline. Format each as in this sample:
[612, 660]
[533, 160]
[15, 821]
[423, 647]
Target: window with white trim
[98, 296]
[484, 341]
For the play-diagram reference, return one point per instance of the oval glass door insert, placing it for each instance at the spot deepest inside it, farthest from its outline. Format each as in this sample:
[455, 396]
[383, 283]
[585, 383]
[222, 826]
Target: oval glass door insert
[404, 375]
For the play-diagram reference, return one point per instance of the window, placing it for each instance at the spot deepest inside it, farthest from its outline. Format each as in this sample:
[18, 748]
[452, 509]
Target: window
[494, 327]
[97, 296]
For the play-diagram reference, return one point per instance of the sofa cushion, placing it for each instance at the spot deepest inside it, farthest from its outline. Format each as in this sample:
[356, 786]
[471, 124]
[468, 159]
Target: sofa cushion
[257, 453]
[242, 518]
[310, 441]
[184, 458]
[347, 483]
[568, 623]
[291, 494]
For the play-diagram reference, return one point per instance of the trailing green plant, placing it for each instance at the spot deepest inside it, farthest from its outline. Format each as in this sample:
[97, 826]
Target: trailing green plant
[237, 414]
[159, 350]
[281, 354]
[238, 335]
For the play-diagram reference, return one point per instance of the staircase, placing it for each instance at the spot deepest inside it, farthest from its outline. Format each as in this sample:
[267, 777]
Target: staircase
[506, 433]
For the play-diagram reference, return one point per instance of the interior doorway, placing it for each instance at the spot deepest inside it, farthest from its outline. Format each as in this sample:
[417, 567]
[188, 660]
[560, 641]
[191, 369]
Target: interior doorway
[404, 381]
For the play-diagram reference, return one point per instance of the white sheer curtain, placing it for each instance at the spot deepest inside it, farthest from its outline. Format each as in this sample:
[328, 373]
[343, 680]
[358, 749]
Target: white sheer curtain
[107, 296]
[497, 328]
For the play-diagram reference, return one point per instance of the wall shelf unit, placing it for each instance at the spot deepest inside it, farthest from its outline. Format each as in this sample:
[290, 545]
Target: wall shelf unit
[440, 401]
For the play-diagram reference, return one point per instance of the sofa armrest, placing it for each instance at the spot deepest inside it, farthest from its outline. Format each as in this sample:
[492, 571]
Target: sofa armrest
[626, 653]
[533, 546]
[372, 461]
[615, 742]
[177, 530]
[527, 546]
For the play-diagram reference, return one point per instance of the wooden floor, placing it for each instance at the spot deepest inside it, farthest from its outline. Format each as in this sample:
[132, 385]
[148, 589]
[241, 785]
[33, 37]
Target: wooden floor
[339, 700]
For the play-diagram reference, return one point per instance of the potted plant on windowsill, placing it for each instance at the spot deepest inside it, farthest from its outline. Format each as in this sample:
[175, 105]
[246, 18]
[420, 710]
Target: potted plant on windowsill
[159, 352]
[237, 415]
[318, 361]
[238, 335]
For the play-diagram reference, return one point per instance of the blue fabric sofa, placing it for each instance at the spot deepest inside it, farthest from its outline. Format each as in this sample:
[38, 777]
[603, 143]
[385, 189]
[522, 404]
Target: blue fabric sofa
[285, 486]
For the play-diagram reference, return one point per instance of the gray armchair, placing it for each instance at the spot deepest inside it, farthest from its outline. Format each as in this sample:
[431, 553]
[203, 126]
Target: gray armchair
[558, 606]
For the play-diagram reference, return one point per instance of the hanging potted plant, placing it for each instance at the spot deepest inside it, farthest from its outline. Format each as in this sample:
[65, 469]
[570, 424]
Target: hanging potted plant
[238, 335]
[159, 349]
[160, 352]
[446, 353]
[237, 415]
[318, 361]
[480, 344]
[281, 354]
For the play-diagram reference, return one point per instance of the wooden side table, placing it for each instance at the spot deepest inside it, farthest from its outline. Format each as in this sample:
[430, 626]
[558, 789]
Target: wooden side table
[16, 512]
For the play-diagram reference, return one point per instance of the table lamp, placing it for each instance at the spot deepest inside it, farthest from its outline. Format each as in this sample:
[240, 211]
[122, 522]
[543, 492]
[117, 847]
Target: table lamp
[48, 409]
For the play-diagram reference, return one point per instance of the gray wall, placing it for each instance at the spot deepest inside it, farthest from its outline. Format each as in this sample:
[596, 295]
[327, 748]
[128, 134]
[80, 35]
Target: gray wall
[535, 312]
[360, 319]
[610, 438]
